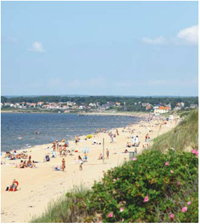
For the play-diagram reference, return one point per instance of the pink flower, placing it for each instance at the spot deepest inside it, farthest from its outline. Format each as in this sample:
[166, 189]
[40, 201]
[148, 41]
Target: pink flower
[110, 215]
[167, 163]
[195, 152]
[171, 216]
[146, 199]
[121, 209]
[171, 171]
[117, 178]
[122, 220]
[134, 159]
[184, 209]
[178, 183]
[114, 180]
[189, 203]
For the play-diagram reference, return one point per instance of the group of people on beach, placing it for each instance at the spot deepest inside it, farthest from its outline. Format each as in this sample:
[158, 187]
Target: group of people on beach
[25, 164]
[13, 155]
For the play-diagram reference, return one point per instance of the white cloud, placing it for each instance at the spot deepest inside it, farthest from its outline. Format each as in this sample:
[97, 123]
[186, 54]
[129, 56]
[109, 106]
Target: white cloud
[189, 34]
[37, 47]
[185, 36]
[158, 40]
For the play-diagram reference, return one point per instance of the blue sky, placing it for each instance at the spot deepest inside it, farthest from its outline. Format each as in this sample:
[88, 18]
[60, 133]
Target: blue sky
[99, 48]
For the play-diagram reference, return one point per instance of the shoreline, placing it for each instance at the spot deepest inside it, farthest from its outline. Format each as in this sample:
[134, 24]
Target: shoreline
[49, 185]
[72, 137]
[131, 113]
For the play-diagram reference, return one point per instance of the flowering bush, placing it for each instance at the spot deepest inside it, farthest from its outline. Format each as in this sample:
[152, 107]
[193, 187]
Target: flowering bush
[149, 189]
[142, 190]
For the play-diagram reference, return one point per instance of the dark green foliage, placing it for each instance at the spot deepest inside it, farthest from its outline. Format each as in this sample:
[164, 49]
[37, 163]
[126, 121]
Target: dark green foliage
[150, 176]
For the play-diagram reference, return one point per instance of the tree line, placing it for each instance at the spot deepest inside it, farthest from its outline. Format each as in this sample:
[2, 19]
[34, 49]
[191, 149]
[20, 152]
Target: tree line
[128, 102]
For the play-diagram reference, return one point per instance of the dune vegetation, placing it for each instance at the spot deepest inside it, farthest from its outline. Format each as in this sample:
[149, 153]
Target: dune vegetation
[183, 136]
[153, 187]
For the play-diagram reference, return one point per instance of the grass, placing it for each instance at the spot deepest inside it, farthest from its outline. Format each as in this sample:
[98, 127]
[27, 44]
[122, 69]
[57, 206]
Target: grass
[63, 210]
[185, 135]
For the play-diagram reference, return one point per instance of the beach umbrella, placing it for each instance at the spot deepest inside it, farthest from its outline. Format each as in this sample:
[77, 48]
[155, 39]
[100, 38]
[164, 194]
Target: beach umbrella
[63, 140]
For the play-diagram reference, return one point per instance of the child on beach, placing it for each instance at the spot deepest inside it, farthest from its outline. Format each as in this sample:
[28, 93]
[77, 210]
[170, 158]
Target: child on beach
[100, 157]
[107, 153]
[63, 164]
[85, 157]
[81, 163]
[21, 165]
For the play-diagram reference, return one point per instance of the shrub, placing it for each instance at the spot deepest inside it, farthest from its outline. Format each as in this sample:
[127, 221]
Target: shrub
[159, 178]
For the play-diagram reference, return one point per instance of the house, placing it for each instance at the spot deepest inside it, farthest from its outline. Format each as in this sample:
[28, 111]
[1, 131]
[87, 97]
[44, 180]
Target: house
[177, 108]
[92, 104]
[33, 104]
[182, 104]
[118, 104]
[161, 109]
[192, 106]
[69, 103]
[40, 103]
[65, 107]
[148, 107]
[6, 104]
[81, 107]
[145, 104]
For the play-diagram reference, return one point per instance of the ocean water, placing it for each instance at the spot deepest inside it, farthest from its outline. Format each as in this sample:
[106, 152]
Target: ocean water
[52, 127]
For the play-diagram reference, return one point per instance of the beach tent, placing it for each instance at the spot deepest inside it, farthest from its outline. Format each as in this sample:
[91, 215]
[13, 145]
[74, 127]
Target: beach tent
[89, 136]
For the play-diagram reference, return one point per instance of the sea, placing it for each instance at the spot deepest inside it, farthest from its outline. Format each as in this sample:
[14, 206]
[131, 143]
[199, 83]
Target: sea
[18, 130]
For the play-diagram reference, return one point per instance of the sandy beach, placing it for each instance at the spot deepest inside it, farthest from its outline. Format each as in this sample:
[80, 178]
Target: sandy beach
[40, 186]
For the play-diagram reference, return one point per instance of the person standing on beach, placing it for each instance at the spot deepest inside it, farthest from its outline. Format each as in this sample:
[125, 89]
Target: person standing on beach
[117, 131]
[60, 150]
[63, 164]
[81, 163]
[57, 145]
[54, 146]
[107, 153]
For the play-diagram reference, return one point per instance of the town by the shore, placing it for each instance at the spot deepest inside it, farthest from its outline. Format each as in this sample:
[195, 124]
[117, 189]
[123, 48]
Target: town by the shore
[42, 185]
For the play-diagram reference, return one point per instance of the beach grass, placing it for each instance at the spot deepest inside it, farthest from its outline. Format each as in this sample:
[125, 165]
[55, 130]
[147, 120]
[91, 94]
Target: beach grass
[64, 210]
[184, 135]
